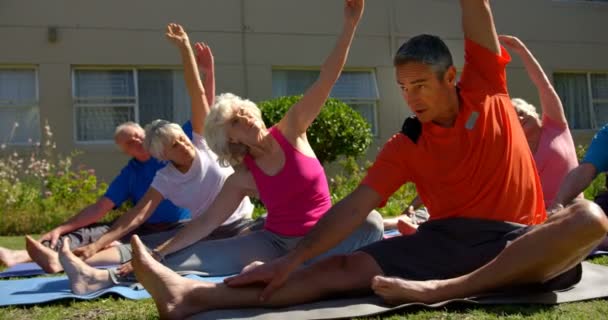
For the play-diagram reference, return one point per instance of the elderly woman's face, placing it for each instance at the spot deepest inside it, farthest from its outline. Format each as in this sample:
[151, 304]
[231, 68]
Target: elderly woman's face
[528, 123]
[180, 151]
[243, 127]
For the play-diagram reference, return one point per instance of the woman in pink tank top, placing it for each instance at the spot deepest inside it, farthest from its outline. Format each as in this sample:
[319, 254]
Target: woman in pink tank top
[549, 139]
[277, 165]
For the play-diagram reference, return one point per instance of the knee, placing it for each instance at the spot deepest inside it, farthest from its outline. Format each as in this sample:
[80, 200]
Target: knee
[587, 216]
[373, 226]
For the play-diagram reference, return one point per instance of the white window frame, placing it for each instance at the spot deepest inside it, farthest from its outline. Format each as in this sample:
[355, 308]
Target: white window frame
[348, 100]
[135, 105]
[35, 102]
[592, 101]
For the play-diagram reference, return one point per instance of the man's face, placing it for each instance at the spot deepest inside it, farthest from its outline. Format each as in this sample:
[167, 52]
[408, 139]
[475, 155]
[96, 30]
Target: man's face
[130, 141]
[425, 93]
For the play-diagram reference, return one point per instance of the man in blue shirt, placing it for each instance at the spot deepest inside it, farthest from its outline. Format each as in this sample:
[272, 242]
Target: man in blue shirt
[131, 184]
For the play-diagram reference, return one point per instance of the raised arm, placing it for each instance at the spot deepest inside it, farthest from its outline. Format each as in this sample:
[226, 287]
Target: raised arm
[200, 106]
[206, 67]
[549, 100]
[236, 187]
[478, 24]
[85, 217]
[125, 223]
[299, 117]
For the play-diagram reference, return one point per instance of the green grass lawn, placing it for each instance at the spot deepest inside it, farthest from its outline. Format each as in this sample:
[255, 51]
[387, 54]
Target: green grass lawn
[116, 308]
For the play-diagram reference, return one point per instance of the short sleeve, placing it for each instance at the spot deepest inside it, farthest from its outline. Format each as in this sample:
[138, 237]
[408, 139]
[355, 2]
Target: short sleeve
[597, 154]
[118, 191]
[484, 71]
[162, 183]
[389, 172]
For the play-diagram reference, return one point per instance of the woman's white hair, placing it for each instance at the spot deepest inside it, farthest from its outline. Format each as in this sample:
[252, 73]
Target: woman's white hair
[225, 107]
[522, 106]
[159, 135]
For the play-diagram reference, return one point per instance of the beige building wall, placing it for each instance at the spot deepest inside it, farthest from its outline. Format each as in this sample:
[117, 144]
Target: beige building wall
[251, 37]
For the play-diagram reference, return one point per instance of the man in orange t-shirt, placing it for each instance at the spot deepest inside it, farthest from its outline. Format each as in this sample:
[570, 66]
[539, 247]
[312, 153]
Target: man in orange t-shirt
[469, 158]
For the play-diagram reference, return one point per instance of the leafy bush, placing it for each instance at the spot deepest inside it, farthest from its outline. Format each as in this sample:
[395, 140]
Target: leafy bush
[40, 189]
[337, 131]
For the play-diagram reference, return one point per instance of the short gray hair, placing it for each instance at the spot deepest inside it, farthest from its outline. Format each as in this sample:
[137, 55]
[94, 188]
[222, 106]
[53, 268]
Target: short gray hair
[427, 49]
[124, 126]
[523, 106]
[159, 134]
[225, 107]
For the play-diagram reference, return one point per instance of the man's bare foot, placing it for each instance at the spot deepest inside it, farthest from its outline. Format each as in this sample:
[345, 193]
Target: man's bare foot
[10, 257]
[169, 290]
[84, 279]
[45, 257]
[406, 228]
[397, 291]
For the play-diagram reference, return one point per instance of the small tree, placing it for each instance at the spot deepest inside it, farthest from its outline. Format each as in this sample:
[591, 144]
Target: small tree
[337, 131]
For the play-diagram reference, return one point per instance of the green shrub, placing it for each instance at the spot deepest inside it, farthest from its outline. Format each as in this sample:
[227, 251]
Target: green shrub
[337, 131]
[40, 189]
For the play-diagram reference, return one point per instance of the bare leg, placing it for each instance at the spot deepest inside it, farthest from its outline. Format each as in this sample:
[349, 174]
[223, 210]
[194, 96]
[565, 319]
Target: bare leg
[108, 256]
[392, 223]
[9, 257]
[84, 279]
[535, 257]
[48, 259]
[45, 257]
[177, 297]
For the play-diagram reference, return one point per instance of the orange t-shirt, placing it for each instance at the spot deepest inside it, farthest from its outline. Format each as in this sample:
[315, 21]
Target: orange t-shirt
[481, 167]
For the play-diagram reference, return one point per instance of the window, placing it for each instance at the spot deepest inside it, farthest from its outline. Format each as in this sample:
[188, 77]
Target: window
[103, 99]
[358, 89]
[585, 98]
[19, 114]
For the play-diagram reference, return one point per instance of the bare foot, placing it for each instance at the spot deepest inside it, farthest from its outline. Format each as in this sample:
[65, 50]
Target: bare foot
[168, 289]
[397, 291]
[45, 257]
[406, 228]
[10, 257]
[84, 279]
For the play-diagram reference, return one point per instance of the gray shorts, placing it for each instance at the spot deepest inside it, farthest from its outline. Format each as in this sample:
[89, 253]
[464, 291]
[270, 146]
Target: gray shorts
[241, 226]
[448, 248]
[91, 233]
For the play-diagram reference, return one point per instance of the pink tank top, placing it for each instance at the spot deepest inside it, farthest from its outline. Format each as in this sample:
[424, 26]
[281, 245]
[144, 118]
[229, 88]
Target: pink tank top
[555, 157]
[297, 196]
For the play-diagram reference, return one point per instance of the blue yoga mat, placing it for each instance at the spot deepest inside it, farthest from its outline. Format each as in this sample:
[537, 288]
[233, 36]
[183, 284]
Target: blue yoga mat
[46, 289]
[31, 269]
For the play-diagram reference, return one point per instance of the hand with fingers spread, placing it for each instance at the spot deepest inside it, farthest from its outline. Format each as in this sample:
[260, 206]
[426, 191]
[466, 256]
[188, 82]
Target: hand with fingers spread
[87, 251]
[176, 34]
[204, 58]
[206, 67]
[51, 236]
[274, 274]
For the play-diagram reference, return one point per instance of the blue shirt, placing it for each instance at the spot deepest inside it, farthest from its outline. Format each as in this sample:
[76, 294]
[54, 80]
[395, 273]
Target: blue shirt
[134, 181]
[597, 154]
